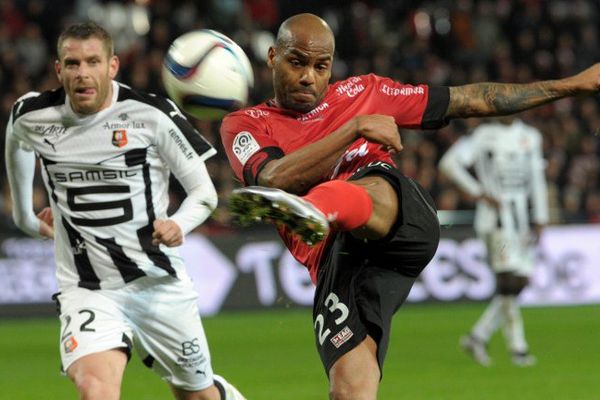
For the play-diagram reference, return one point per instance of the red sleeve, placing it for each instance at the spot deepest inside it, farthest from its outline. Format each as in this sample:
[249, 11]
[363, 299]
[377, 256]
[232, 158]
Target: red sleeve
[415, 107]
[248, 145]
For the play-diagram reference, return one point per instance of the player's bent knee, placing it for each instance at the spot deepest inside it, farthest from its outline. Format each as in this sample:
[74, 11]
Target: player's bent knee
[385, 208]
[91, 387]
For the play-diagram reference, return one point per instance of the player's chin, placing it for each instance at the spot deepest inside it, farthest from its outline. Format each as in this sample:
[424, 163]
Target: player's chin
[301, 106]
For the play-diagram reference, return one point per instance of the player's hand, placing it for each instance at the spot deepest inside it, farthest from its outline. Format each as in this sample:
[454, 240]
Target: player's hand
[167, 232]
[492, 201]
[536, 233]
[380, 129]
[587, 81]
[46, 223]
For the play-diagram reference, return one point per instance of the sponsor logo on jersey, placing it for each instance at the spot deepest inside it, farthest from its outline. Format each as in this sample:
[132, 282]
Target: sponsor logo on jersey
[123, 117]
[50, 133]
[187, 152]
[313, 113]
[256, 113]
[351, 88]
[93, 175]
[50, 130]
[112, 126]
[70, 344]
[350, 155]
[341, 337]
[404, 91]
[362, 151]
[244, 146]
[119, 137]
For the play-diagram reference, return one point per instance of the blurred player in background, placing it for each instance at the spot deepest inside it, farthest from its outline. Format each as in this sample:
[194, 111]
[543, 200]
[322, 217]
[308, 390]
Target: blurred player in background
[106, 151]
[331, 144]
[507, 159]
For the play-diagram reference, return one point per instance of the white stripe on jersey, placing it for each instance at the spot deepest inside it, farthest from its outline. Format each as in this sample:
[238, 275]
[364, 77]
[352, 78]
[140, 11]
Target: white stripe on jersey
[107, 176]
[509, 166]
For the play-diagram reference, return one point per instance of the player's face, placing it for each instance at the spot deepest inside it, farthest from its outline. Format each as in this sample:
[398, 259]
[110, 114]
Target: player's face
[301, 72]
[85, 70]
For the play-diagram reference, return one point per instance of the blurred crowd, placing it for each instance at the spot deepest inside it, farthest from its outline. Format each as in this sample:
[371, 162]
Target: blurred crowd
[438, 42]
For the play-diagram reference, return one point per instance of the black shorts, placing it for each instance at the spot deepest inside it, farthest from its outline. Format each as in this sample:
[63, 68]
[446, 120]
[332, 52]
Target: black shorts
[361, 284]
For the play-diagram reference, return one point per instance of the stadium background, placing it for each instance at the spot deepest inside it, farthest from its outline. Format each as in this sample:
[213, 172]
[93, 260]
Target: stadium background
[435, 42]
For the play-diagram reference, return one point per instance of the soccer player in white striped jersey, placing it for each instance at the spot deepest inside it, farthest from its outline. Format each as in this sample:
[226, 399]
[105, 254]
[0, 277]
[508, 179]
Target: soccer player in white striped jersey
[507, 159]
[106, 153]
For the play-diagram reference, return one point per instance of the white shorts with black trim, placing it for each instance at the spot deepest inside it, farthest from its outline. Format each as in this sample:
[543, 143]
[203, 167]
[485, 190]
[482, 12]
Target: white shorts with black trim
[158, 317]
[510, 252]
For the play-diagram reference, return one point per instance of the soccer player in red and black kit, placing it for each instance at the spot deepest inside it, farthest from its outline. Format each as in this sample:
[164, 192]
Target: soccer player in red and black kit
[317, 162]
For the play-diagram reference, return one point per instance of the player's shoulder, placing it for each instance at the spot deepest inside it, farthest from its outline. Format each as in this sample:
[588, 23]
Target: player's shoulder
[353, 84]
[527, 129]
[253, 115]
[35, 101]
[146, 99]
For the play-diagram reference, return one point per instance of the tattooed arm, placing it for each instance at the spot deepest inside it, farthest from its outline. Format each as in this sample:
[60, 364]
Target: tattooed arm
[490, 99]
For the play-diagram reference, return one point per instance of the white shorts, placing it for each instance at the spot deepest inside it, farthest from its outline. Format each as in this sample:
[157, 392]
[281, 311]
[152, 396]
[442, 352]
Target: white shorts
[509, 253]
[159, 317]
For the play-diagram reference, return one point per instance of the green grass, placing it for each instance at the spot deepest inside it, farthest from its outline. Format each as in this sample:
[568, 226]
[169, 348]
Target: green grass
[271, 355]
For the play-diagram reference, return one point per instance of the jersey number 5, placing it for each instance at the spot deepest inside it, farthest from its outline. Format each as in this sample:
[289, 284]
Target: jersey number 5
[124, 205]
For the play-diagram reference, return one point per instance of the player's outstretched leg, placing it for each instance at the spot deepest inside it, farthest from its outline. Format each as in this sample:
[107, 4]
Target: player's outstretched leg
[231, 393]
[256, 203]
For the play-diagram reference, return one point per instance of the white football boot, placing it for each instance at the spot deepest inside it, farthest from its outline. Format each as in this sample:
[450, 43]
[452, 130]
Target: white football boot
[256, 203]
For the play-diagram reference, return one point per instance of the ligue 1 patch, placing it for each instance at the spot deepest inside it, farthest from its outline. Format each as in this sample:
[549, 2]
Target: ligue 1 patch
[119, 137]
[244, 146]
[70, 344]
[341, 337]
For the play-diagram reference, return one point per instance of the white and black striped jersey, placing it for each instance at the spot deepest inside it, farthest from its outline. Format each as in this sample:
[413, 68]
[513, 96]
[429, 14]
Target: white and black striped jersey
[509, 165]
[107, 176]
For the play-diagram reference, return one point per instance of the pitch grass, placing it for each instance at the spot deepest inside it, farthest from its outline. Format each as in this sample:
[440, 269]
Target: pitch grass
[271, 356]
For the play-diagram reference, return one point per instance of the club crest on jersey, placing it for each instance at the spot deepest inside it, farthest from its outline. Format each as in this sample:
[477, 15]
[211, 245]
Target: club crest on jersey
[119, 137]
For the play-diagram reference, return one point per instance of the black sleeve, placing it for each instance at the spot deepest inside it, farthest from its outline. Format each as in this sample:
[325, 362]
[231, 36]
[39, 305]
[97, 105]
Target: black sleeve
[434, 116]
[257, 162]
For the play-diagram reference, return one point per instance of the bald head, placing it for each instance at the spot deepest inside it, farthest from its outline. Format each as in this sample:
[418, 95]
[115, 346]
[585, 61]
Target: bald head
[305, 28]
[301, 61]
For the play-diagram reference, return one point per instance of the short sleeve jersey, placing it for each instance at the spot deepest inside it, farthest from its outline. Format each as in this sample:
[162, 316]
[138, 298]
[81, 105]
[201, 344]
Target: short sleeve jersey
[254, 136]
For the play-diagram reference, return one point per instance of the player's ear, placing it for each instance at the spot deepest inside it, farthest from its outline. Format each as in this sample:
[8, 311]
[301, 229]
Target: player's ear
[271, 57]
[57, 69]
[113, 66]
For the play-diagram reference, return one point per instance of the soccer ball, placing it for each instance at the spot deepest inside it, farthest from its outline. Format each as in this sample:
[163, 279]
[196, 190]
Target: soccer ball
[207, 74]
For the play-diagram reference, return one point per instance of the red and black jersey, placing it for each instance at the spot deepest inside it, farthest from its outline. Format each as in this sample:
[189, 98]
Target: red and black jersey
[254, 136]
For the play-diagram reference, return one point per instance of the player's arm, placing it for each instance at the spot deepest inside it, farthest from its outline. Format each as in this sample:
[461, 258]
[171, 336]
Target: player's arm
[257, 158]
[538, 190]
[184, 151]
[455, 164]
[491, 99]
[20, 167]
[198, 205]
[298, 171]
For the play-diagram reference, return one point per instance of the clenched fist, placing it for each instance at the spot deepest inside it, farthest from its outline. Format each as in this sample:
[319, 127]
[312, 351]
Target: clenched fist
[167, 232]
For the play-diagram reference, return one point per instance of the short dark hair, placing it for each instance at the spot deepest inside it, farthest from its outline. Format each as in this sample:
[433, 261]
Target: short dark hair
[86, 30]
